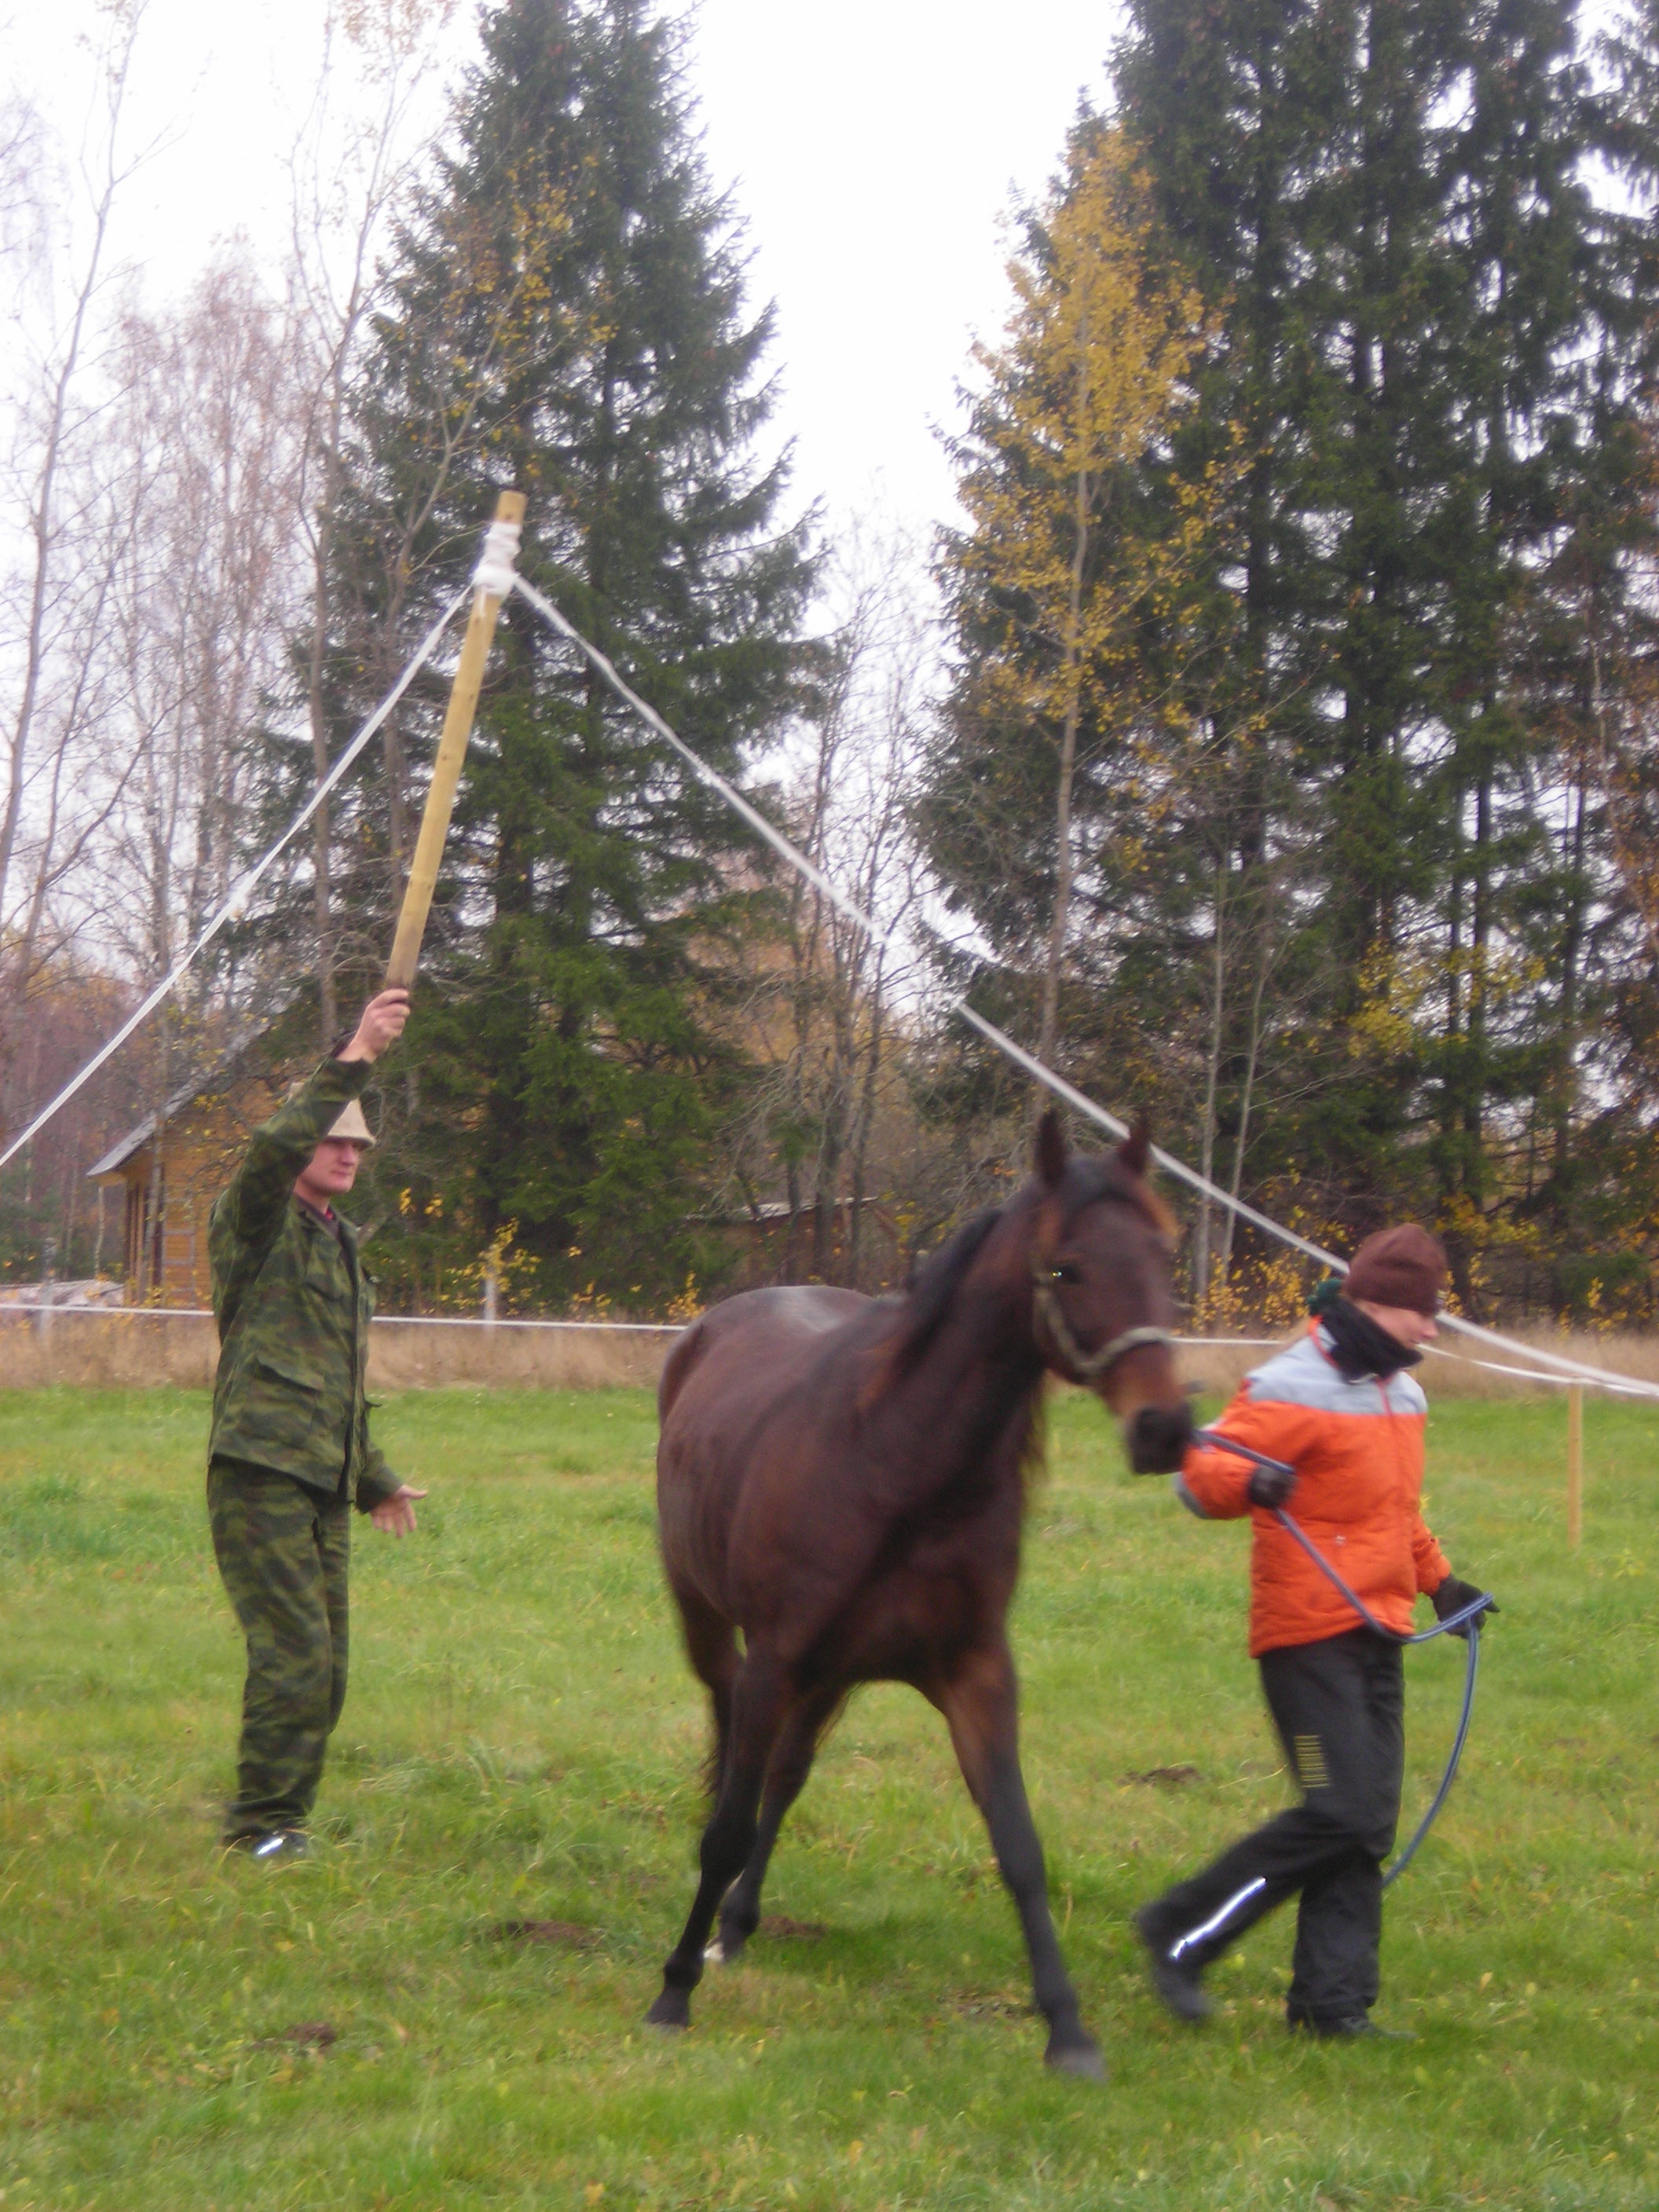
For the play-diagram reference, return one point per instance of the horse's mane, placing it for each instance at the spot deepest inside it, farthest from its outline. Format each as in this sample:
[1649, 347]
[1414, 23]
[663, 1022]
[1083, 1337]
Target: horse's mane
[928, 1300]
[934, 1291]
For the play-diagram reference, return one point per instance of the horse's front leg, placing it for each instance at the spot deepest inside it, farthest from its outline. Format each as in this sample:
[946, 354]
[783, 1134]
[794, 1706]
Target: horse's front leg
[980, 1702]
[757, 1704]
[792, 1762]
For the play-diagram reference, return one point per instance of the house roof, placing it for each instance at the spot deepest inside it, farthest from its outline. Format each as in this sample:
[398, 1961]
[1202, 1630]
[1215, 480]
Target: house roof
[134, 1140]
[769, 1209]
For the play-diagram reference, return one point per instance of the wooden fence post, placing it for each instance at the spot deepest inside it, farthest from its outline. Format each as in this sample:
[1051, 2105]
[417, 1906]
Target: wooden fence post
[1575, 1464]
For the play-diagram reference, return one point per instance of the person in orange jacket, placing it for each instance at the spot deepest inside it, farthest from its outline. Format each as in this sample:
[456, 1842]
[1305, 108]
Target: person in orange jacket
[1339, 1409]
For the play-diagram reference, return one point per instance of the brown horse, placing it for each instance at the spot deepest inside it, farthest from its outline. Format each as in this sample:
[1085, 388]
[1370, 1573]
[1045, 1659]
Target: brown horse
[843, 1478]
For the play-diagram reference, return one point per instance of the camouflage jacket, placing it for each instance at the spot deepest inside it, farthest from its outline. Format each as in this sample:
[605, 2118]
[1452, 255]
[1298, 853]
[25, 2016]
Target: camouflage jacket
[293, 1303]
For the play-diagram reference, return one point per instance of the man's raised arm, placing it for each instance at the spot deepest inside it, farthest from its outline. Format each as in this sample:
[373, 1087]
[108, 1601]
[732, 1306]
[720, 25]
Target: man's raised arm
[253, 1203]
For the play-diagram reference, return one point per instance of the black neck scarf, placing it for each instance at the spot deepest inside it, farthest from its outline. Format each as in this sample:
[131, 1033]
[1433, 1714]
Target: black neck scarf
[1359, 1347]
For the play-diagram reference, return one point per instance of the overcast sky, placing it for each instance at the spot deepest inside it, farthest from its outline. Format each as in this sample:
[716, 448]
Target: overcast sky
[872, 149]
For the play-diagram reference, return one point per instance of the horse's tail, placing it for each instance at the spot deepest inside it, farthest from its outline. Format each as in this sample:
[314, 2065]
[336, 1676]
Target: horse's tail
[682, 1355]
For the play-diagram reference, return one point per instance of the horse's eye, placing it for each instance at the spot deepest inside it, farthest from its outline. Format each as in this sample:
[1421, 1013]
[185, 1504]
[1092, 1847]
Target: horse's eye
[1066, 1272]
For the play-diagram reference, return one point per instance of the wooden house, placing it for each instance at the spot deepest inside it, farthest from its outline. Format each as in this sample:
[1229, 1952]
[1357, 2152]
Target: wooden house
[167, 1181]
[772, 1244]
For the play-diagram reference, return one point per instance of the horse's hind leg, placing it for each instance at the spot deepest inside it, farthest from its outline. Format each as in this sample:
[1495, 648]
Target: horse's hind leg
[711, 1645]
[758, 1703]
[981, 1703]
[792, 1762]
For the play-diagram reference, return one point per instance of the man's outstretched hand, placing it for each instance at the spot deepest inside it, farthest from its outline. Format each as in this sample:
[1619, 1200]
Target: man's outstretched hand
[380, 1024]
[395, 1516]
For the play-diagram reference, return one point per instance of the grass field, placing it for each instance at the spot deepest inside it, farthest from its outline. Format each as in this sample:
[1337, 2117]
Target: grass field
[522, 1743]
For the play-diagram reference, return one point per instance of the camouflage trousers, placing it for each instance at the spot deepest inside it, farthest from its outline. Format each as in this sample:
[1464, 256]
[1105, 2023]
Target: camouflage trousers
[282, 1551]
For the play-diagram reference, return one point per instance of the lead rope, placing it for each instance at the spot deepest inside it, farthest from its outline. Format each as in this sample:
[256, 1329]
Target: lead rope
[1467, 1616]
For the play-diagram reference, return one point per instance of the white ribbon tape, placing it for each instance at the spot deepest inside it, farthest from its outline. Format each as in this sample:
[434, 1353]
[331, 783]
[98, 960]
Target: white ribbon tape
[497, 563]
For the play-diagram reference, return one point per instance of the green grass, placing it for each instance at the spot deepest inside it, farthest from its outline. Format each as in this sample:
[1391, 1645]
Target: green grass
[522, 1742]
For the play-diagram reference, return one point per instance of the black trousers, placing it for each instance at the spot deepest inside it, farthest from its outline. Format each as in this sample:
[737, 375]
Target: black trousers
[1338, 1706]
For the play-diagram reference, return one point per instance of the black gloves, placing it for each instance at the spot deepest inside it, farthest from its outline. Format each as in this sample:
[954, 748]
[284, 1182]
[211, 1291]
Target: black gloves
[1269, 1486]
[1452, 1596]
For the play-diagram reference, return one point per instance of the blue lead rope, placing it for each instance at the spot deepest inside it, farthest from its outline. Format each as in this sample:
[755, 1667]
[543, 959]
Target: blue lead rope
[1468, 1617]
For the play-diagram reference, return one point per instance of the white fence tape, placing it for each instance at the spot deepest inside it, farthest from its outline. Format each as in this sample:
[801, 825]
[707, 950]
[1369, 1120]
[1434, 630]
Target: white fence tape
[13, 1310]
[1620, 1386]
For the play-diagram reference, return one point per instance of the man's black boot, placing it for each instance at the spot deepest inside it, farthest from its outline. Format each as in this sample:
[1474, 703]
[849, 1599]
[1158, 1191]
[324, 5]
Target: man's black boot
[1179, 1985]
[279, 1847]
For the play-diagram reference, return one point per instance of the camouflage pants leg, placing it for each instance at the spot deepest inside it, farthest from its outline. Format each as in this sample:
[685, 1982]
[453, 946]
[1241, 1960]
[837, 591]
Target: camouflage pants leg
[282, 1551]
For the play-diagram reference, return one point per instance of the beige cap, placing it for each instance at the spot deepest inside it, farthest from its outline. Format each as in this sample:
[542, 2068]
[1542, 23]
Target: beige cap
[350, 1124]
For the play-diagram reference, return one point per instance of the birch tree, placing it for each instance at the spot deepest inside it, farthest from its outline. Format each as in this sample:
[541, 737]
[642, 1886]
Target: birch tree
[352, 161]
[53, 600]
[852, 822]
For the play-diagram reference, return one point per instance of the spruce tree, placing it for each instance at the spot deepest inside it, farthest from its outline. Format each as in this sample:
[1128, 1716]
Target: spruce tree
[1424, 333]
[568, 315]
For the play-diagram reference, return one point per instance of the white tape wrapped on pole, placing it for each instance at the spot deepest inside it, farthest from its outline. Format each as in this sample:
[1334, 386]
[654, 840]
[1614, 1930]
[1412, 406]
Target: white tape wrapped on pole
[498, 563]
[1028, 1061]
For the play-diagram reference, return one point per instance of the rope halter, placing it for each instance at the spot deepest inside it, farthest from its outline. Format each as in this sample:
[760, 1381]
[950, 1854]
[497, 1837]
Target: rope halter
[1077, 1364]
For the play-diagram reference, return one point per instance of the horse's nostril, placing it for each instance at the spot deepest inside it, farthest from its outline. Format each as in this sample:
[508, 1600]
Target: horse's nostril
[1158, 1438]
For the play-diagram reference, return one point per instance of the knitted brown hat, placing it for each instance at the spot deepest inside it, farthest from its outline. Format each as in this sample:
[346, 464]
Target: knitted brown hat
[1403, 1266]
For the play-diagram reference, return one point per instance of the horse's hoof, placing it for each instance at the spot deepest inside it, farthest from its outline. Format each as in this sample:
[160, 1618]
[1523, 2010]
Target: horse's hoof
[671, 2012]
[725, 1949]
[716, 1953]
[1082, 2059]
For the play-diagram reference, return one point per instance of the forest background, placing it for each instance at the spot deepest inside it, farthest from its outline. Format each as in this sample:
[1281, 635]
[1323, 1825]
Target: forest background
[1270, 742]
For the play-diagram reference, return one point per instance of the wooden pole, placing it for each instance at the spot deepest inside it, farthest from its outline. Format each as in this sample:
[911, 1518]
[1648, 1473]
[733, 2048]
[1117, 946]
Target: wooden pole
[445, 771]
[1575, 1463]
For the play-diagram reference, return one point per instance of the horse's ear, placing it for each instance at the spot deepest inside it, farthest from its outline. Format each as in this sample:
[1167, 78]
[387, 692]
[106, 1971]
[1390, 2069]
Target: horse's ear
[1050, 1153]
[1136, 1149]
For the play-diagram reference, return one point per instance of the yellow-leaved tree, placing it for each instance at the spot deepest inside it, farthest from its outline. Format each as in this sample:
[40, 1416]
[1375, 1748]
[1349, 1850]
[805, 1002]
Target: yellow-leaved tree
[1086, 550]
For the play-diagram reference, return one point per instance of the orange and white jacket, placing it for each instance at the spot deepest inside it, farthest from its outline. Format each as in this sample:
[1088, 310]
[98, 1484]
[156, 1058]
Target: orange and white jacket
[1358, 1452]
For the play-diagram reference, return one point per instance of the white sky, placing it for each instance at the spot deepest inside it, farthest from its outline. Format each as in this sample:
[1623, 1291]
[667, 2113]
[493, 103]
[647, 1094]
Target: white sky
[872, 149]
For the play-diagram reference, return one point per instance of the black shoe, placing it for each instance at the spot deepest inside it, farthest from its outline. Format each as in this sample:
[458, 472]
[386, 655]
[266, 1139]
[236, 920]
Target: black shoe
[1179, 1985]
[1350, 2027]
[280, 1847]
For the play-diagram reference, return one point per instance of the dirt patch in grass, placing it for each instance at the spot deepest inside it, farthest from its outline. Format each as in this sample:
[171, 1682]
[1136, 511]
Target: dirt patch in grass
[308, 2034]
[562, 1935]
[990, 2004]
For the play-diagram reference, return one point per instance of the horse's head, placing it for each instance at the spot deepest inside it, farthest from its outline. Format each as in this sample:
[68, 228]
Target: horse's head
[1101, 1308]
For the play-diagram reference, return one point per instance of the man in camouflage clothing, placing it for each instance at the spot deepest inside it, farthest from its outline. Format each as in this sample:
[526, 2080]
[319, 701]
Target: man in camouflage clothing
[290, 1452]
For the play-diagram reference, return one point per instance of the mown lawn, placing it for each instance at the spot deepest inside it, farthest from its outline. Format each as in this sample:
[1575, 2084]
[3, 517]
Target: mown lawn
[522, 1744]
